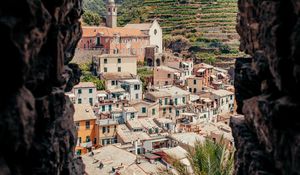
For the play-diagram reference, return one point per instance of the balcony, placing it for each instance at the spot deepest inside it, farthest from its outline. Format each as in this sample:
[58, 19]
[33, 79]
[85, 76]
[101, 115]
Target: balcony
[86, 144]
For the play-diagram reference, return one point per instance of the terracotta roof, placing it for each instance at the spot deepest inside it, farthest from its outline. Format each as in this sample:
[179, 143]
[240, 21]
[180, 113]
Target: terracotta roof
[85, 85]
[142, 26]
[91, 31]
[83, 112]
[118, 76]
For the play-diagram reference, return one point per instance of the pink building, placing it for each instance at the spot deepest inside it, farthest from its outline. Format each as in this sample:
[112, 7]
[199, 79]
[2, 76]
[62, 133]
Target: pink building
[205, 71]
[116, 40]
[164, 75]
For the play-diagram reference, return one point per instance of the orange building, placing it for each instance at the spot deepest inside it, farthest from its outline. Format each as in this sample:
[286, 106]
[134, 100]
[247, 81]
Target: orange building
[87, 130]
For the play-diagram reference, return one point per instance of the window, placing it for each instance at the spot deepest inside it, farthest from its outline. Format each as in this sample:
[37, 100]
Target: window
[183, 100]
[195, 81]
[132, 115]
[164, 110]
[95, 141]
[87, 125]
[195, 90]
[119, 69]
[119, 60]
[176, 101]
[113, 83]
[136, 87]
[169, 75]
[87, 139]
[98, 41]
[116, 51]
[79, 91]
[170, 110]
[103, 108]
[136, 96]
[177, 112]
[79, 101]
[91, 101]
[77, 125]
[166, 101]
[166, 83]
[90, 91]
[160, 101]
[190, 89]
[155, 32]
[108, 129]
[110, 107]
[105, 61]
[103, 129]
[79, 138]
[105, 69]
[143, 110]
[153, 111]
[230, 97]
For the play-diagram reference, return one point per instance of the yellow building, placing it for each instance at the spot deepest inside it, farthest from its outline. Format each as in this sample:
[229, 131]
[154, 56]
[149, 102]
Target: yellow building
[107, 131]
[87, 130]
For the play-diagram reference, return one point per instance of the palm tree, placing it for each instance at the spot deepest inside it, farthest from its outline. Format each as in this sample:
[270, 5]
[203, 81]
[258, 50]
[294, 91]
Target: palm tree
[208, 158]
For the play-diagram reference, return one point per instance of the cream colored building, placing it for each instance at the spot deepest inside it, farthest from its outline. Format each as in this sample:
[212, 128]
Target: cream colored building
[85, 93]
[146, 108]
[109, 63]
[172, 101]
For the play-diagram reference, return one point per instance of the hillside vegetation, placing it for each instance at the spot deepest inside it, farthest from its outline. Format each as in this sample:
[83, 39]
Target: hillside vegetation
[208, 25]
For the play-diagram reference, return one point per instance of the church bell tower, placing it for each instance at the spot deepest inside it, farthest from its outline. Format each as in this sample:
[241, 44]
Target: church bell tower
[111, 16]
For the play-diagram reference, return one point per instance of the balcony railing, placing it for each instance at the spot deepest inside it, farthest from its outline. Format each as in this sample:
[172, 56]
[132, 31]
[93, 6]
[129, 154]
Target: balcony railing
[86, 144]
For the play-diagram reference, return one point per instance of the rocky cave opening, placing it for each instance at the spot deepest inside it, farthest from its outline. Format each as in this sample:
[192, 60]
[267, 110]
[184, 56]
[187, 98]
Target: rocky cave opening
[36, 118]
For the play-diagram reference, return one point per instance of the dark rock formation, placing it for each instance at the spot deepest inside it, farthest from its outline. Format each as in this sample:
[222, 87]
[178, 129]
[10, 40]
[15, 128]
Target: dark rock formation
[38, 40]
[267, 86]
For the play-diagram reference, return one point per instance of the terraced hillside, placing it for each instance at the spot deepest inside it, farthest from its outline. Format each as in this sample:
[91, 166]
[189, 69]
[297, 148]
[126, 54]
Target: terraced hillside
[218, 21]
[175, 17]
[209, 24]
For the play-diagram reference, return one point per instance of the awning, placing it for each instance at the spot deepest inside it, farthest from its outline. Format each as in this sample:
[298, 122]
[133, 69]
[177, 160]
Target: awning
[201, 70]
[152, 156]
[101, 95]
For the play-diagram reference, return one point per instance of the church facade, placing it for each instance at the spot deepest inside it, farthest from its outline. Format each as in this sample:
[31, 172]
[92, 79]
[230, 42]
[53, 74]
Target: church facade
[133, 39]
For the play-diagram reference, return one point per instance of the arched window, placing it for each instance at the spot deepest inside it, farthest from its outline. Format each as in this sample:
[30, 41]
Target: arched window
[155, 31]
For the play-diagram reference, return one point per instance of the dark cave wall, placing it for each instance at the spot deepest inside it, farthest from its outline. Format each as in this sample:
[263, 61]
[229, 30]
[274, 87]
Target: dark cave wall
[267, 86]
[38, 40]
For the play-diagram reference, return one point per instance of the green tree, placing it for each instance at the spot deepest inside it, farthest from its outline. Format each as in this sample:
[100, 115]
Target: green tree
[209, 158]
[224, 48]
[145, 74]
[95, 6]
[132, 11]
[176, 43]
[208, 58]
[87, 76]
[91, 18]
